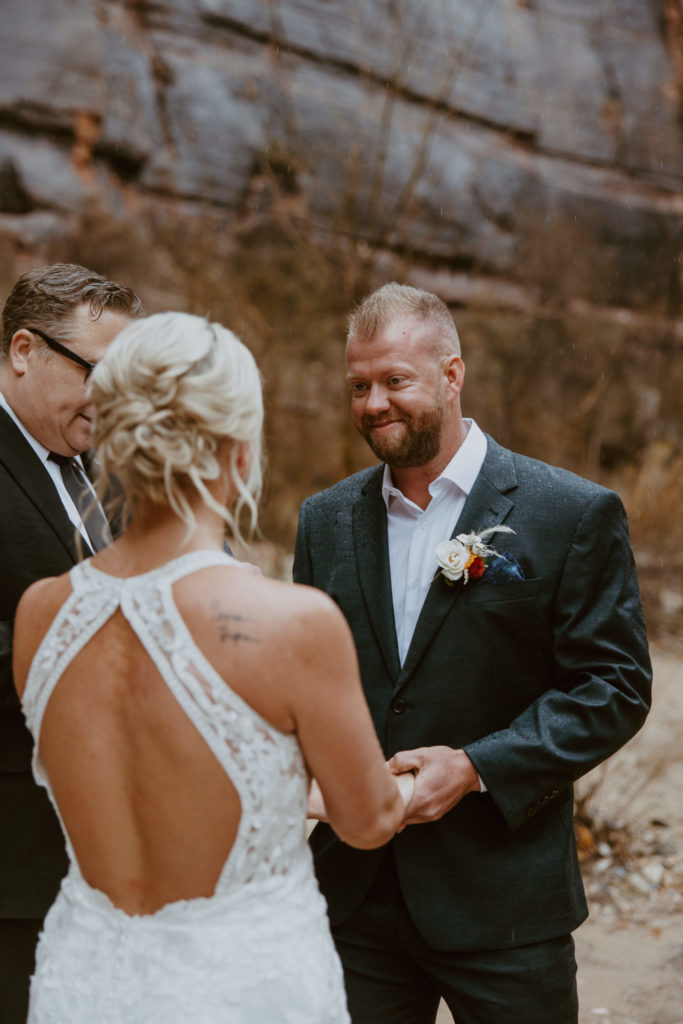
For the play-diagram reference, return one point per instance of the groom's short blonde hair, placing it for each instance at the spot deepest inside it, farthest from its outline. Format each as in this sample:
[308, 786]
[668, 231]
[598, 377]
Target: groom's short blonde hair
[393, 300]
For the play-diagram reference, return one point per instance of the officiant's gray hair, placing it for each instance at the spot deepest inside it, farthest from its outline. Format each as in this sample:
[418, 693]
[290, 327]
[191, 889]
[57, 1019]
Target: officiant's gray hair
[171, 389]
[378, 309]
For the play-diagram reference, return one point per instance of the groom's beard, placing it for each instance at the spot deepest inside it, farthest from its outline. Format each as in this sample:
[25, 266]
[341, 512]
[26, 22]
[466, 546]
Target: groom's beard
[415, 442]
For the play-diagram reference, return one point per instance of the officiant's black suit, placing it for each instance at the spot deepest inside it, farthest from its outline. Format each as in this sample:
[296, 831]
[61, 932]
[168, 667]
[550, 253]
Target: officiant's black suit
[36, 540]
[537, 680]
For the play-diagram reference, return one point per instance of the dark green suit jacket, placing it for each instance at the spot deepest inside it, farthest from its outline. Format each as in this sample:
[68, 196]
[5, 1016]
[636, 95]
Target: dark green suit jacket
[538, 680]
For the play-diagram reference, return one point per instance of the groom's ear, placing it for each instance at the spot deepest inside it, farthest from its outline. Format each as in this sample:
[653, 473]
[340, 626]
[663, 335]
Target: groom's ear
[454, 370]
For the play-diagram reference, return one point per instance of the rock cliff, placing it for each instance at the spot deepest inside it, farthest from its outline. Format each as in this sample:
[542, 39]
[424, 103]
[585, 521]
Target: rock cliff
[454, 130]
[522, 157]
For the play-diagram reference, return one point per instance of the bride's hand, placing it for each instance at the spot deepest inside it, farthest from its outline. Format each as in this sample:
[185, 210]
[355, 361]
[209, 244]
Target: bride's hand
[406, 787]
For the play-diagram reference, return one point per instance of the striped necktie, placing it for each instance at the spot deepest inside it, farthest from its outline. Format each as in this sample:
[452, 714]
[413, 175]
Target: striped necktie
[87, 506]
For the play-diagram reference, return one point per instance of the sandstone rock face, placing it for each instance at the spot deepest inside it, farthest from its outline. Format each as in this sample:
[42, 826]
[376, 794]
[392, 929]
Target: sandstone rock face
[459, 131]
[524, 158]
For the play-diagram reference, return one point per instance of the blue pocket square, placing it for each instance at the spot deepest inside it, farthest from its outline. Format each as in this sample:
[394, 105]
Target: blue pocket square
[503, 569]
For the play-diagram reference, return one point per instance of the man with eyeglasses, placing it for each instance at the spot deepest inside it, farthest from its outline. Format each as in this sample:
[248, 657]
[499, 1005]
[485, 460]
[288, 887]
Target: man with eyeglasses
[57, 322]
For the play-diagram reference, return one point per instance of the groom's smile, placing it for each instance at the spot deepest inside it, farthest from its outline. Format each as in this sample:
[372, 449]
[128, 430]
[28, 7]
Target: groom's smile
[381, 427]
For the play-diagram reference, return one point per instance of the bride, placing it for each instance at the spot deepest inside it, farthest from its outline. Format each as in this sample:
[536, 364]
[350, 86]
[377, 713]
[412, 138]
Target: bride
[179, 704]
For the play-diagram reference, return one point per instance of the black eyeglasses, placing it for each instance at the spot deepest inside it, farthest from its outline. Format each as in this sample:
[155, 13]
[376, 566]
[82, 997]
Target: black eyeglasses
[57, 346]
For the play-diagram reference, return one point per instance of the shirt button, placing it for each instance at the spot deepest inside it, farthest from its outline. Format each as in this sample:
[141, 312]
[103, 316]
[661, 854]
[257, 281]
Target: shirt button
[412, 585]
[398, 705]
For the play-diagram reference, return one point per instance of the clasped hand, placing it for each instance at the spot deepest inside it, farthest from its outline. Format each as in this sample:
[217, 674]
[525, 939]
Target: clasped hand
[442, 778]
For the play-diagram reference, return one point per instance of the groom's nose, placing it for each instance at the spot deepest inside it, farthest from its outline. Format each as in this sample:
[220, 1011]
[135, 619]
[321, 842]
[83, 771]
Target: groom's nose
[377, 400]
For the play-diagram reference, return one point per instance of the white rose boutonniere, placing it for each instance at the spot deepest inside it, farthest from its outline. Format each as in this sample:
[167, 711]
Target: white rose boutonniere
[453, 557]
[468, 556]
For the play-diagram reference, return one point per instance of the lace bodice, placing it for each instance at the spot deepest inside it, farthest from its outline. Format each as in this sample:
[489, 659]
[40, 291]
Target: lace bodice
[259, 949]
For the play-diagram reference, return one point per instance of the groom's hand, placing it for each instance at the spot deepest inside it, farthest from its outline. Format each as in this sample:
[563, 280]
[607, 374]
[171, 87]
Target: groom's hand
[442, 778]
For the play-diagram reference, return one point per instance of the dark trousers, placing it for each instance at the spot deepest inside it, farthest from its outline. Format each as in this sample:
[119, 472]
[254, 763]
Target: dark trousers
[18, 940]
[393, 977]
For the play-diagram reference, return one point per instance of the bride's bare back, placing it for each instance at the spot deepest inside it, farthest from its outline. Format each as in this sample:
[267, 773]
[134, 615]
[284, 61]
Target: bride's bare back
[150, 812]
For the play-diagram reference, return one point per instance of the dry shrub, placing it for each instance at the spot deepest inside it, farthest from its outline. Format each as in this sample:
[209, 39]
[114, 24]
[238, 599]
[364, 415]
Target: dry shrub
[123, 248]
[653, 494]
[653, 490]
[575, 389]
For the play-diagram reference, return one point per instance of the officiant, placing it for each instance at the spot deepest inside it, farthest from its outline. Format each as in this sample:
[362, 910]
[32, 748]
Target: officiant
[56, 323]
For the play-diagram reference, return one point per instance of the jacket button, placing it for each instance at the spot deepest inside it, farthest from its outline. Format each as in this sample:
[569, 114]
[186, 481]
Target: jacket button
[398, 705]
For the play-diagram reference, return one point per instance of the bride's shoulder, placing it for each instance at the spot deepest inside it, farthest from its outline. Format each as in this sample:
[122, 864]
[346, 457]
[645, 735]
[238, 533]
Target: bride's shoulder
[304, 618]
[44, 597]
[291, 607]
[271, 611]
[36, 610]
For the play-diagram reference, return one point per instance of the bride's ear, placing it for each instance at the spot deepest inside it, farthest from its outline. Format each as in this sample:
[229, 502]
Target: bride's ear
[243, 459]
[234, 455]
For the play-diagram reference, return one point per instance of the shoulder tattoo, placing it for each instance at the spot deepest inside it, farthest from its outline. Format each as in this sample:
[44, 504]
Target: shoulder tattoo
[233, 626]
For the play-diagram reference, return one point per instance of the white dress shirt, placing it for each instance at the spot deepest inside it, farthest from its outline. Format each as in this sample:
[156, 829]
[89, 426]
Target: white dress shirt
[414, 533]
[53, 469]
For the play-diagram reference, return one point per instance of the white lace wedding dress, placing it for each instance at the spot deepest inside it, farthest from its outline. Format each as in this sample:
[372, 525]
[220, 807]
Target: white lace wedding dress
[259, 950]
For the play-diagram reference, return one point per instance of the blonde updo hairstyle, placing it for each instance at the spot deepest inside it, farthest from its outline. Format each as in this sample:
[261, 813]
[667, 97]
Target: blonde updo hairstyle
[169, 392]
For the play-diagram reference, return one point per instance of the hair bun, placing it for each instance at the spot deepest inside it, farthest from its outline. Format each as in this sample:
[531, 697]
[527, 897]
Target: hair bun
[169, 391]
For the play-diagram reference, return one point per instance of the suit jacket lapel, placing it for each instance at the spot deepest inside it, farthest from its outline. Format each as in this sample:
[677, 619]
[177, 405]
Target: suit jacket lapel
[372, 561]
[486, 505]
[25, 467]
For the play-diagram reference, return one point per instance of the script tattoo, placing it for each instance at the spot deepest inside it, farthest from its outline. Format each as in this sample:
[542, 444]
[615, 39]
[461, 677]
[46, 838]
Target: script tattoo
[230, 625]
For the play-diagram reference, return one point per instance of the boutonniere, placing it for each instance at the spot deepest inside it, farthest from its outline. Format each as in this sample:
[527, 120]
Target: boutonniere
[469, 557]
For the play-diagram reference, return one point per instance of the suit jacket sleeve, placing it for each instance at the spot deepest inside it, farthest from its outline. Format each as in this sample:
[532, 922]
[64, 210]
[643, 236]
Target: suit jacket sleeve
[600, 694]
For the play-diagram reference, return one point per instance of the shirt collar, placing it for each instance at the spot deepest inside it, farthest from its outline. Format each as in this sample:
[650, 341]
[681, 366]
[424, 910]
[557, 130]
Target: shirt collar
[41, 451]
[461, 471]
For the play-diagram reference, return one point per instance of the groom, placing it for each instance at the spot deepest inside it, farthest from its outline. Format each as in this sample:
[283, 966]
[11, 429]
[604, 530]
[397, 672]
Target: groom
[497, 688]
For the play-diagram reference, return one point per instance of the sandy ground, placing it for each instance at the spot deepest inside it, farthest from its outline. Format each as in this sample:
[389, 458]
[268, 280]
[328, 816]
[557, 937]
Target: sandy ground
[630, 950]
